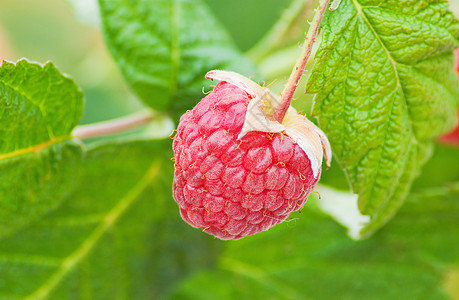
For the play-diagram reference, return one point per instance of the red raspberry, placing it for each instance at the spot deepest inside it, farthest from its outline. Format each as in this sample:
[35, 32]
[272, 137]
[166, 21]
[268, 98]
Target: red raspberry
[452, 138]
[457, 60]
[233, 187]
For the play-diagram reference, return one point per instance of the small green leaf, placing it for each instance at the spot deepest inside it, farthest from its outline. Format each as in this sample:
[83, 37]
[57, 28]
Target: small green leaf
[164, 48]
[39, 160]
[311, 258]
[114, 238]
[386, 88]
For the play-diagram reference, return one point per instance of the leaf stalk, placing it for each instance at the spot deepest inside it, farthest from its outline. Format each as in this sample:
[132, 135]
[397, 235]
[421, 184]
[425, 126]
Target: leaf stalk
[114, 126]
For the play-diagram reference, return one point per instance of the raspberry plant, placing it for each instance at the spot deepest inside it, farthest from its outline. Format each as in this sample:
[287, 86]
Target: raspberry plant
[87, 211]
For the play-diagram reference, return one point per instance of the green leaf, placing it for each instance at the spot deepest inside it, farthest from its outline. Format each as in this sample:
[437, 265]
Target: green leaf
[311, 258]
[118, 236]
[164, 48]
[39, 160]
[385, 87]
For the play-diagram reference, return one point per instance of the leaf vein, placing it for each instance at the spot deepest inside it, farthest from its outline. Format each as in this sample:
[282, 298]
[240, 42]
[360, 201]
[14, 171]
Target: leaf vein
[394, 66]
[40, 108]
[175, 46]
[69, 263]
[34, 148]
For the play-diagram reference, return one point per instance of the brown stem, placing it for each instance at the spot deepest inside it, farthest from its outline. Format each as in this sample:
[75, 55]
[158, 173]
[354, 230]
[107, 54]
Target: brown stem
[298, 69]
[114, 126]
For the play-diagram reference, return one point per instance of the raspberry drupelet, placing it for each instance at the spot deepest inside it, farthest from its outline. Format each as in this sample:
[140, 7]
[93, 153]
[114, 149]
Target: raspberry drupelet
[233, 186]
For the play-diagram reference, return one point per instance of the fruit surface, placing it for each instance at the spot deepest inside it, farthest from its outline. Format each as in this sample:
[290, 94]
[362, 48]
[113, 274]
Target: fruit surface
[234, 187]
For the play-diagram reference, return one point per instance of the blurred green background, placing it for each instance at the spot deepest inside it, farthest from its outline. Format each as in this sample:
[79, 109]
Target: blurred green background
[52, 30]
[67, 33]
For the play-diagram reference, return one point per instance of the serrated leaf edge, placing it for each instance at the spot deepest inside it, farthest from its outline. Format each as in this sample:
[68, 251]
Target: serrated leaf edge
[385, 208]
[52, 139]
[44, 66]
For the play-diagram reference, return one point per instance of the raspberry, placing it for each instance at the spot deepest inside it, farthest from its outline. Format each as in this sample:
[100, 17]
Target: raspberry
[457, 60]
[233, 186]
[452, 137]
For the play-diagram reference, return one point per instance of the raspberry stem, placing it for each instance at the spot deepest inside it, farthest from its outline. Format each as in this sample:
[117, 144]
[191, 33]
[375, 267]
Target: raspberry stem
[298, 69]
[114, 126]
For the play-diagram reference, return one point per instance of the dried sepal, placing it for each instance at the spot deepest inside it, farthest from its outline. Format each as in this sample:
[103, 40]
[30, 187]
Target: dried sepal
[304, 133]
[259, 118]
[256, 119]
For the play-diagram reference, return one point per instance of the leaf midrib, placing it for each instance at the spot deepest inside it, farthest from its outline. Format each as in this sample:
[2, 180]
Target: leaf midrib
[34, 148]
[69, 263]
[398, 86]
[175, 47]
[260, 276]
[364, 17]
[40, 108]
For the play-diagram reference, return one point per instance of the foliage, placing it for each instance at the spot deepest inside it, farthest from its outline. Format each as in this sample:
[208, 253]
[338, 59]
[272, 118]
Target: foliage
[164, 47]
[38, 157]
[313, 258]
[383, 94]
[95, 219]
